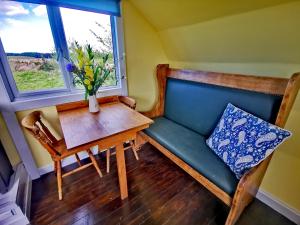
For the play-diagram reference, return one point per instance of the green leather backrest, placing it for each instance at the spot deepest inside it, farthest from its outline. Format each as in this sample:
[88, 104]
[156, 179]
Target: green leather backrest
[199, 106]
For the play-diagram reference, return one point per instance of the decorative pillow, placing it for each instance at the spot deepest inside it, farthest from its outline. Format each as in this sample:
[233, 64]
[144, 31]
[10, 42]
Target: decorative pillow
[243, 140]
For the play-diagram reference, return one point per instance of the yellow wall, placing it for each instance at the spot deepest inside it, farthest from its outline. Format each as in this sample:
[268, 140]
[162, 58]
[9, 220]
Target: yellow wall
[8, 144]
[262, 42]
[164, 14]
[143, 52]
[282, 178]
[269, 35]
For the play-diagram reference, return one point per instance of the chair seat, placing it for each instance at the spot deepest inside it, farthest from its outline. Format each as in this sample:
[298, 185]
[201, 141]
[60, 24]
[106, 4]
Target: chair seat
[61, 147]
[192, 149]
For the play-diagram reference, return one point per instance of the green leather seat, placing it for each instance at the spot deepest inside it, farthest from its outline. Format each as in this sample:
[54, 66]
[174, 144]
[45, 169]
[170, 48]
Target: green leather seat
[199, 106]
[192, 149]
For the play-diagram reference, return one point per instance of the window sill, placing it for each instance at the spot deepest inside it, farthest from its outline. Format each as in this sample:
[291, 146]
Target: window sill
[34, 102]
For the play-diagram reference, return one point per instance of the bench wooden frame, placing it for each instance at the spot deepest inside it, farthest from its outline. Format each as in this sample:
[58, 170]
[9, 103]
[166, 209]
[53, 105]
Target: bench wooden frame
[250, 182]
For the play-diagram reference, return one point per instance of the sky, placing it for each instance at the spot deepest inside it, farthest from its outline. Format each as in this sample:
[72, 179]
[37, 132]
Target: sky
[25, 27]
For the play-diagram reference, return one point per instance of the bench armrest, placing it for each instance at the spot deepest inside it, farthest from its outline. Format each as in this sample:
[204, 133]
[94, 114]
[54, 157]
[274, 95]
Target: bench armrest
[161, 76]
[246, 190]
[253, 178]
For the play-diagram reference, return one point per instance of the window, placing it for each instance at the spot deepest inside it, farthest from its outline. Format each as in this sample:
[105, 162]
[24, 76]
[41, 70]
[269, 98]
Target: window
[37, 41]
[91, 28]
[29, 47]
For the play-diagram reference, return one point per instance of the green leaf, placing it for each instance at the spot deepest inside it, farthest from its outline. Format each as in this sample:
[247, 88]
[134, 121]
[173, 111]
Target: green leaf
[96, 72]
[90, 52]
[105, 58]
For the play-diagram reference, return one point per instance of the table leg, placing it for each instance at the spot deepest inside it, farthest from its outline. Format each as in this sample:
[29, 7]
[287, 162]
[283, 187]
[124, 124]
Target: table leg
[122, 171]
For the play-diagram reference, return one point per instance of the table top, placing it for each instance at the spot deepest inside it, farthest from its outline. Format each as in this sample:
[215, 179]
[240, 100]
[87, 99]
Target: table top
[80, 127]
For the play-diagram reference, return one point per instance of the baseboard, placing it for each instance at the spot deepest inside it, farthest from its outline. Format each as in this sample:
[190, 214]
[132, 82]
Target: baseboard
[67, 161]
[281, 207]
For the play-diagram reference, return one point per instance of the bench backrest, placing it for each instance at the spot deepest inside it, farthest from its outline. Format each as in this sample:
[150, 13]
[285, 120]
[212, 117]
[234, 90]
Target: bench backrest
[199, 106]
[197, 99]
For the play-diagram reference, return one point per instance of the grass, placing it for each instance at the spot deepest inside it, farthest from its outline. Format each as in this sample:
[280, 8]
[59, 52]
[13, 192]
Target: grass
[31, 74]
[38, 80]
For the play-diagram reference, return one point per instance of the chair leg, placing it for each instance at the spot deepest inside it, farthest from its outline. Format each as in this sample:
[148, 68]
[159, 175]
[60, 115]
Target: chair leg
[108, 160]
[133, 147]
[140, 140]
[77, 159]
[55, 168]
[59, 179]
[94, 162]
[99, 151]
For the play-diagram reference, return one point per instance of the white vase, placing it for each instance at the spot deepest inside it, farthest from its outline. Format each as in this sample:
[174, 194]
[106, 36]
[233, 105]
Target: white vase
[93, 104]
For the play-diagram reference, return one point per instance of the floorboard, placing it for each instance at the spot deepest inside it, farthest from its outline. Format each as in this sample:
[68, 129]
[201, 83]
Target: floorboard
[159, 193]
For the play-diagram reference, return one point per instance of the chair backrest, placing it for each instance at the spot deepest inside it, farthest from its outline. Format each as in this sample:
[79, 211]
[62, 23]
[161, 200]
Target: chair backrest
[33, 123]
[130, 102]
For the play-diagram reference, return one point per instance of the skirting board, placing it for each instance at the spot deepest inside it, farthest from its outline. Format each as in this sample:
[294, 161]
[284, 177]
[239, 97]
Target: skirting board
[281, 207]
[67, 161]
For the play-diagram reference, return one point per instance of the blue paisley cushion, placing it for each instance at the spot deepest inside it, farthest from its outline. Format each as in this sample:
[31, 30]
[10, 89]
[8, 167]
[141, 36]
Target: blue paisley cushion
[243, 140]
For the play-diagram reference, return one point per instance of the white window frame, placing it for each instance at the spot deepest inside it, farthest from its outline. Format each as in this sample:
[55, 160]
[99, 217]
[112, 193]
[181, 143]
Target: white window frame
[50, 97]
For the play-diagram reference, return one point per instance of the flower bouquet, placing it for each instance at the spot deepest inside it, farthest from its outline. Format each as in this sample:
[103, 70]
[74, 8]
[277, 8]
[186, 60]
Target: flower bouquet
[90, 72]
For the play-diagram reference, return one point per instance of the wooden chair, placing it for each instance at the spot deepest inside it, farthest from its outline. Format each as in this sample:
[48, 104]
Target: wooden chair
[131, 103]
[56, 148]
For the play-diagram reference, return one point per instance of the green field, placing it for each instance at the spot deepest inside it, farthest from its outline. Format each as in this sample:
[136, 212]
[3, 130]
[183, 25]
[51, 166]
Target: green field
[31, 74]
[37, 80]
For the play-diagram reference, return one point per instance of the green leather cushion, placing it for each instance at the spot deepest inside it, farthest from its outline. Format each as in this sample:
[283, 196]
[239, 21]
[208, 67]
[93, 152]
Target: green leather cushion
[199, 106]
[192, 149]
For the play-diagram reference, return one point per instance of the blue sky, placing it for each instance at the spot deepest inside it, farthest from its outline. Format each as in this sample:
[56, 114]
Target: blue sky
[19, 11]
[24, 27]
[14, 9]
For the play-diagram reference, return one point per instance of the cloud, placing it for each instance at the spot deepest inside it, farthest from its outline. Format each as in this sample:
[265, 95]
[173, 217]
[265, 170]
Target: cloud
[14, 22]
[12, 8]
[26, 35]
[40, 10]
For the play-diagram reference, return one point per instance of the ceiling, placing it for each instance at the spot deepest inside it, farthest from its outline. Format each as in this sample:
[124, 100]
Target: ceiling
[164, 14]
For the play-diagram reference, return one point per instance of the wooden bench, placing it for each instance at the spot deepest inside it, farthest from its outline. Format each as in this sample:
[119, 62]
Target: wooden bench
[274, 98]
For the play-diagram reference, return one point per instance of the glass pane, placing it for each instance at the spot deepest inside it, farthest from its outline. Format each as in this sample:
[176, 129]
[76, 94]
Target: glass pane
[29, 46]
[90, 28]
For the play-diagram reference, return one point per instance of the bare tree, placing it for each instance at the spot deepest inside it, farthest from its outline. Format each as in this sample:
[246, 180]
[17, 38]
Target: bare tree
[105, 38]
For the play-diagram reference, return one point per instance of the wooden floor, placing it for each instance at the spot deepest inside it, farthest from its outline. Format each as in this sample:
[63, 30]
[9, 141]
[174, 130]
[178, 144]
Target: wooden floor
[159, 193]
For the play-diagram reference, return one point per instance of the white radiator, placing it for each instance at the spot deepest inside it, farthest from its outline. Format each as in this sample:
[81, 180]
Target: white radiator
[15, 203]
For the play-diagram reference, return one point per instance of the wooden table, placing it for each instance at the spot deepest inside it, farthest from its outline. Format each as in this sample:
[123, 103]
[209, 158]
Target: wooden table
[112, 126]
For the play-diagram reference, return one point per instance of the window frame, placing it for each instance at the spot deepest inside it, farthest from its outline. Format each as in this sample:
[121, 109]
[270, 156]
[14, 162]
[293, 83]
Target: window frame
[47, 97]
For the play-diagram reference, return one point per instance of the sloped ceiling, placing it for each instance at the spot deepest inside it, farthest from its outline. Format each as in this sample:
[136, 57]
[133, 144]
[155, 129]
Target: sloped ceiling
[164, 14]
